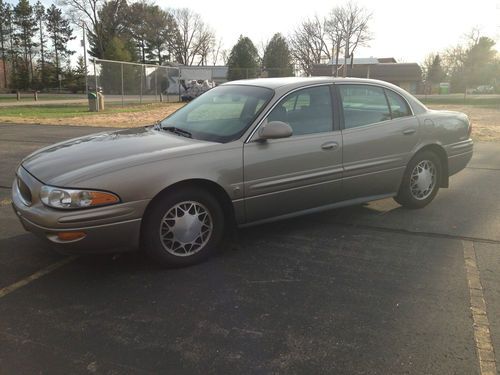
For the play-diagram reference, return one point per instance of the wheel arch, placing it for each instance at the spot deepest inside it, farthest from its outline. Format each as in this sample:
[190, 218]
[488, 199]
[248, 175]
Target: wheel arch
[212, 187]
[440, 152]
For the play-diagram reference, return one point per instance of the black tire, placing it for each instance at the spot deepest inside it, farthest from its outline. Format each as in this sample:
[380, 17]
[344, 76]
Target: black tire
[153, 225]
[405, 196]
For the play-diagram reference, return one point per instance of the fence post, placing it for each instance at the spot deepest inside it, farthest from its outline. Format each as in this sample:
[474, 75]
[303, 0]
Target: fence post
[121, 65]
[179, 83]
[156, 84]
[140, 95]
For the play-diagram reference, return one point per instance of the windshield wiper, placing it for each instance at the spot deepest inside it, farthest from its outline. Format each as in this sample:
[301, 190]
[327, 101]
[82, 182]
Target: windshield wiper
[177, 131]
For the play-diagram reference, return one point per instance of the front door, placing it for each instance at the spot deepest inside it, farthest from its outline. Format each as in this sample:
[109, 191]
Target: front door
[304, 171]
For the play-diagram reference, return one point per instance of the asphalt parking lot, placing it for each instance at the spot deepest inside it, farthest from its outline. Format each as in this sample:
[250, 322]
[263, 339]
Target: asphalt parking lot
[370, 289]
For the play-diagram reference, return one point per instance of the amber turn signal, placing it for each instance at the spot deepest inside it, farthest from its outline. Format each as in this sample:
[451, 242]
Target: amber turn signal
[70, 236]
[99, 198]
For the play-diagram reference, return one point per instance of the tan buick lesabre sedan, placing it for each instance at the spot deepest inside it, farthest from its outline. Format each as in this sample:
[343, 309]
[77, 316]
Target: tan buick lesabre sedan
[243, 153]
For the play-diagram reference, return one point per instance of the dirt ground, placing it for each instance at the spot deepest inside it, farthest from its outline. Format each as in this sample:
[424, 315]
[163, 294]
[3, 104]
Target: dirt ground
[485, 120]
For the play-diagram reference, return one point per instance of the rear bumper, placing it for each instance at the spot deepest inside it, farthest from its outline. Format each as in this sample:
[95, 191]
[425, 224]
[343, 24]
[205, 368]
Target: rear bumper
[459, 155]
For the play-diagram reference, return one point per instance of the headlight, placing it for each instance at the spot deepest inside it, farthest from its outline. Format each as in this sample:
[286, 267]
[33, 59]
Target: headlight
[73, 198]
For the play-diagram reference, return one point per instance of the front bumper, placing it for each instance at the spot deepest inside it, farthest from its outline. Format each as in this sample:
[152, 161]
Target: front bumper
[107, 229]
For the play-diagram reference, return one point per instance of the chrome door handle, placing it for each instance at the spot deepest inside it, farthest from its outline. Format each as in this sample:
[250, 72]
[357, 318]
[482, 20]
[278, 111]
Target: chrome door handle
[329, 146]
[409, 131]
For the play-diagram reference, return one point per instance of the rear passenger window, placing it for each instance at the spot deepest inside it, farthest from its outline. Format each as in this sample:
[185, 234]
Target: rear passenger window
[399, 106]
[307, 111]
[363, 105]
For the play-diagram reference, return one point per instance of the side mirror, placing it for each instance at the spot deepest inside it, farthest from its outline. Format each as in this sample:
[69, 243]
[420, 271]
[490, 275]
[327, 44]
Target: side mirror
[275, 130]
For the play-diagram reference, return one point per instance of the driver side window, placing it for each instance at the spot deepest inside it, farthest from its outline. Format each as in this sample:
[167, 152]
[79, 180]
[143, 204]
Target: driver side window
[307, 111]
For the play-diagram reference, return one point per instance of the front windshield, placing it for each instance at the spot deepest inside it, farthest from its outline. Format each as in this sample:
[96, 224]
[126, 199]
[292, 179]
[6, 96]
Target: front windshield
[221, 114]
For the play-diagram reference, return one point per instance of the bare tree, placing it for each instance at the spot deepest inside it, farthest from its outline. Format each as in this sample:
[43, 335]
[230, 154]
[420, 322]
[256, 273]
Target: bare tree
[195, 38]
[86, 11]
[217, 52]
[335, 30]
[353, 20]
[309, 44]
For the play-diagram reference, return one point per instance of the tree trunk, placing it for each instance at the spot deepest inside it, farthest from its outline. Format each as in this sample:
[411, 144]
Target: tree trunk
[346, 56]
[337, 52]
[2, 46]
[42, 73]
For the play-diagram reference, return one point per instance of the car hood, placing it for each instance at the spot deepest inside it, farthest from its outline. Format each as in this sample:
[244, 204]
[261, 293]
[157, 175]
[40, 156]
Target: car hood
[81, 158]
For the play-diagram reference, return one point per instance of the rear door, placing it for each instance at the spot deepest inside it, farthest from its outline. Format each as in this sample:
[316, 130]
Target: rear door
[301, 172]
[379, 134]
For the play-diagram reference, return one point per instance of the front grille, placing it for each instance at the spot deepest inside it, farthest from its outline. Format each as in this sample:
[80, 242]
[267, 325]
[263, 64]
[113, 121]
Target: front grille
[24, 191]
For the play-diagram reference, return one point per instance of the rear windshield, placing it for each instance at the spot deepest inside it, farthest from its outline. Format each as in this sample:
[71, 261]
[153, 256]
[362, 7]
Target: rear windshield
[222, 114]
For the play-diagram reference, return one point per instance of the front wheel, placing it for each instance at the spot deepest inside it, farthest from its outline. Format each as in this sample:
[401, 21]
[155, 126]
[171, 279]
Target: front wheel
[182, 227]
[421, 181]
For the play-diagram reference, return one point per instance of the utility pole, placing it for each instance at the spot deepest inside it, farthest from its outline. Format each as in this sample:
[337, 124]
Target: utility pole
[84, 45]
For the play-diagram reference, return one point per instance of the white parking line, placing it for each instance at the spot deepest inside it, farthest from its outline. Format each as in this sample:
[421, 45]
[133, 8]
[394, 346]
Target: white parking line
[44, 271]
[482, 336]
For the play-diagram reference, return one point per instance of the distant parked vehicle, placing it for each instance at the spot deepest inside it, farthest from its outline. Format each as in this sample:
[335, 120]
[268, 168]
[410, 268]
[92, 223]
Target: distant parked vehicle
[484, 89]
[193, 89]
[243, 153]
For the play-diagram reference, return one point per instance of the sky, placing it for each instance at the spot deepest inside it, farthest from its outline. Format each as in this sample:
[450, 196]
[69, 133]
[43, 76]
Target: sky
[406, 30]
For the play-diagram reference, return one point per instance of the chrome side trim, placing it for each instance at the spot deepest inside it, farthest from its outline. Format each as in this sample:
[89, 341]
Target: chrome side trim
[468, 143]
[77, 228]
[370, 164]
[302, 177]
[318, 209]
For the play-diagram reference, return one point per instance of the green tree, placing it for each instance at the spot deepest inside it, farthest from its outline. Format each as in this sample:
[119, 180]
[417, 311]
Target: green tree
[26, 28]
[434, 72]
[277, 60]
[479, 63]
[60, 33]
[136, 14]
[110, 74]
[5, 16]
[111, 23]
[40, 15]
[162, 29]
[243, 60]
[75, 77]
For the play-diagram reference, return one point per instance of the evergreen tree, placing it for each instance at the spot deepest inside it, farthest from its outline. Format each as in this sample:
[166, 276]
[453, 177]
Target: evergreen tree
[435, 73]
[277, 59]
[162, 28]
[243, 60]
[26, 25]
[112, 23]
[40, 15]
[60, 33]
[5, 16]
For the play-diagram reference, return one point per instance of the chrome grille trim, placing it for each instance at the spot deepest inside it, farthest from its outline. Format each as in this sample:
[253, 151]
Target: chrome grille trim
[23, 191]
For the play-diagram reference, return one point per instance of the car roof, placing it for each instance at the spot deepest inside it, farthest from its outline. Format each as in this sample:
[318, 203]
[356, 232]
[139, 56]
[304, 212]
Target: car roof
[292, 82]
[285, 84]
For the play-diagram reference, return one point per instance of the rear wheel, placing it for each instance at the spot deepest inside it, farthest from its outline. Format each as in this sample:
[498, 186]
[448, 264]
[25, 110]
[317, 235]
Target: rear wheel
[183, 227]
[421, 181]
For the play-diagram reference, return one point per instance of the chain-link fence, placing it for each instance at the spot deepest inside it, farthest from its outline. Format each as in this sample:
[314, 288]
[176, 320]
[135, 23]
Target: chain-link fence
[131, 83]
